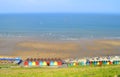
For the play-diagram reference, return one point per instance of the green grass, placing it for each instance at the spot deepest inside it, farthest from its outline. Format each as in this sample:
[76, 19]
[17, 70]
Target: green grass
[85, 71]
[7, 65]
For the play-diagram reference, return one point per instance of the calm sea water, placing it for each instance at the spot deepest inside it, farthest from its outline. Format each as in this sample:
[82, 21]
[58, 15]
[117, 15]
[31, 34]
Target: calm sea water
[60, 26]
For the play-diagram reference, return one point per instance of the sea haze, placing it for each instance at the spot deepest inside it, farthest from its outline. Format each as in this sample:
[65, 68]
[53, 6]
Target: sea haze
[60, 26]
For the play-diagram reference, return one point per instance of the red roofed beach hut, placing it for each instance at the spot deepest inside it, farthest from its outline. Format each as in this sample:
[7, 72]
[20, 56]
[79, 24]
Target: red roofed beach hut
[26, 63]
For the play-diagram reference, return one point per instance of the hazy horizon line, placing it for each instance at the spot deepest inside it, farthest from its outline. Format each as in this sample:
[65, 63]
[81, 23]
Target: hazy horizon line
[57, 13]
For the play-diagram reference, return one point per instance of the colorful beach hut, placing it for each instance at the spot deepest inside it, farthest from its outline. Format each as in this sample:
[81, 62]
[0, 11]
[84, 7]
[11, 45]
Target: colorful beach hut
[55, 63]
[100, 63]
[59, 63]
[37, 63]
[26, 63]
[104, 62]
[30, 63]
[51, 63]
[41, 63]
[75, 64]
[44, 63]
[33, 63]
[88, 63]
[95, 63]
[82, 63]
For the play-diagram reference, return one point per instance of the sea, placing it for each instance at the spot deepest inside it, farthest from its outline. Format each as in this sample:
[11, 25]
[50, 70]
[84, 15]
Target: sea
[60, 26]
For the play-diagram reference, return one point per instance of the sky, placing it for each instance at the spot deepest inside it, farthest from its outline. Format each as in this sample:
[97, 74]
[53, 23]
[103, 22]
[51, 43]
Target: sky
[59, 6]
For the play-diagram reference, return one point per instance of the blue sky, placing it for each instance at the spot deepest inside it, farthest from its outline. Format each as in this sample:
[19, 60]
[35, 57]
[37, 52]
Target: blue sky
[60, 6]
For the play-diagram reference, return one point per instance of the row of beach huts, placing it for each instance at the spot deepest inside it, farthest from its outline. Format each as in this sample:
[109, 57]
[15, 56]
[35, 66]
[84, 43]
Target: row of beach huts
[43, 62]
[94, 61]
[46, 62]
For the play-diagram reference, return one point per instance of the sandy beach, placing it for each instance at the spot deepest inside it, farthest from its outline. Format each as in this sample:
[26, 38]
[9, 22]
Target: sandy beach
[25, 47]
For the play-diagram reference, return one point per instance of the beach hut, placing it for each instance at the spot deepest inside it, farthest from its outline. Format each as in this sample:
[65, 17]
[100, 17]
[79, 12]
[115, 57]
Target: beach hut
[51, 63]
[37, 63]
[75, 64]
[44, 63]
[92, 62]
[41, 63]
[98, 63]
[110, 62]
[26, 63]
[104, 62]
[115, 62]
[82, 63]
[55, 63]
[88, 63]
[59, 63]
[95, 63]
[30, 63]
[48, 61]
[72, 64]
[33, 63]
[118, 62]
[69, 64]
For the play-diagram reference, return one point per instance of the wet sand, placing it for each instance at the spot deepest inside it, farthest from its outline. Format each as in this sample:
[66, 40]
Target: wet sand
[28, 47]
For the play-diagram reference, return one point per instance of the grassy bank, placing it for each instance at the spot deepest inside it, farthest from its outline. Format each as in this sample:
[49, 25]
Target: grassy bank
[104, 71]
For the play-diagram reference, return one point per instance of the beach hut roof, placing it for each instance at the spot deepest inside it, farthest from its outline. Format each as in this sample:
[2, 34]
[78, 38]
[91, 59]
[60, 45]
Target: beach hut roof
[41, 59]
[38, 59]
[31, 59]
[34, 59]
